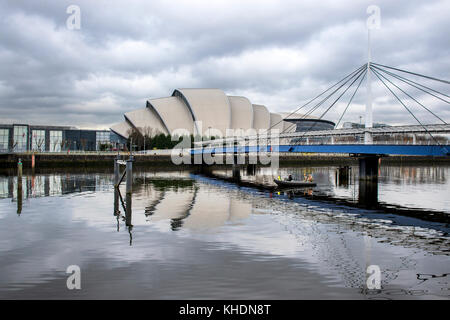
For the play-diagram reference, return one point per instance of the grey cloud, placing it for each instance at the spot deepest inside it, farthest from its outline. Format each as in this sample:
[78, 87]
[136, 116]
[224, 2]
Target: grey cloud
[278, 53]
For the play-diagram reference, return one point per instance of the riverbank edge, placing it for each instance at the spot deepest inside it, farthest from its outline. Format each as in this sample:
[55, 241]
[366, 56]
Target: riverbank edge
[106, 160]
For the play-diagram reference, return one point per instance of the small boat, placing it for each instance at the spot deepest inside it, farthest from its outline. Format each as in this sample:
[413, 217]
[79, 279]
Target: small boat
[294, 183]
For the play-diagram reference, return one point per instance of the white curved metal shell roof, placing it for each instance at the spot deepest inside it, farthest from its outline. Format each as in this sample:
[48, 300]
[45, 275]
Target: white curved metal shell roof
[241, 113]
[276, 122]
[173, 113]
[199, 110]
[146, 121]
[261, 117]
[210, 106]
[122, 129]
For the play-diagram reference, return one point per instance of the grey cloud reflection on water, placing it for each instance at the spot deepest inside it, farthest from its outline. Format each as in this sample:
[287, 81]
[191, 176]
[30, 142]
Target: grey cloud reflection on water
[321, 241]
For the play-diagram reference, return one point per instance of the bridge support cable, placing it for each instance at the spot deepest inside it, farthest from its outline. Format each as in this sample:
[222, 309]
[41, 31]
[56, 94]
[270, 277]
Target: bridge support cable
[413, 73]
[415, 84]
[355, 78]
[351, 74]
[334, 102]
[375, 71]
[351, 99]
[315, 107]
[412, 114]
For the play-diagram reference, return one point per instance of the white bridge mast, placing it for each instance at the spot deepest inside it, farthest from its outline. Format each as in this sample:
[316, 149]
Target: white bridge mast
[368, 119]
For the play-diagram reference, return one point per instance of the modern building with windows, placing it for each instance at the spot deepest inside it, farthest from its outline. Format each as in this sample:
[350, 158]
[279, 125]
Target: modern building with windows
[24, 137]
[307, 123]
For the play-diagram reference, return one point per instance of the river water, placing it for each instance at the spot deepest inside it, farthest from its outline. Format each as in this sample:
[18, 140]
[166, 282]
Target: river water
[189, 236]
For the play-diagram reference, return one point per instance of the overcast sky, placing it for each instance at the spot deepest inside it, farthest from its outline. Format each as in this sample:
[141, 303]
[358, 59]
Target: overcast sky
[276, 53]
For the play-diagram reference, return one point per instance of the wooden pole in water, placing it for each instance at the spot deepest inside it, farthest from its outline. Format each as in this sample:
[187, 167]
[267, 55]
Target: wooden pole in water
[32, 161]
[19, 187]
[19, 168]
[129, 174]
[116, 172]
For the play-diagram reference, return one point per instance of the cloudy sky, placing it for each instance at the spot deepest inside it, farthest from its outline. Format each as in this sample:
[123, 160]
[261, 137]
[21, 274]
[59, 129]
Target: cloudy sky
[277, 53]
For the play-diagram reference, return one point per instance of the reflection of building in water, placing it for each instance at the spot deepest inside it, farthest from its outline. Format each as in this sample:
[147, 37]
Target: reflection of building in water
[211, 209]
[52, 185]
[413, 174]
[172, 205]
[193, 209]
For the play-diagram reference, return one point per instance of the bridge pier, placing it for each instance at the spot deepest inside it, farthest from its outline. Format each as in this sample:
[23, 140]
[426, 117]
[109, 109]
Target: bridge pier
[368, 180]
[236, 170]
[342, 176]
[251, 169]
[368, 193]
[368, 167]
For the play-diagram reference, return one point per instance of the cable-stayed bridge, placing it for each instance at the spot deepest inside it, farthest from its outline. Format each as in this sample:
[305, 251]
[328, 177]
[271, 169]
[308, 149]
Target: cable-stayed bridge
[368, 143]
[367, 140]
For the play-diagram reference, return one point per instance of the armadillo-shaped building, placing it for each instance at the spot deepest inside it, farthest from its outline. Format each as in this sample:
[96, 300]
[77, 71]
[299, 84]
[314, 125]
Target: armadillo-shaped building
[204, 112]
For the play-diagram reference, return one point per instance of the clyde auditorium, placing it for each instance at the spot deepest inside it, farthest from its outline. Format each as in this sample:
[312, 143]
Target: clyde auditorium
[215, 110]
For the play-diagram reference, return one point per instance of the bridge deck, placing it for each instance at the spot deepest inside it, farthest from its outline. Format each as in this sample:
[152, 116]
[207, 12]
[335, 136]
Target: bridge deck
[386, 130]
[386, 149]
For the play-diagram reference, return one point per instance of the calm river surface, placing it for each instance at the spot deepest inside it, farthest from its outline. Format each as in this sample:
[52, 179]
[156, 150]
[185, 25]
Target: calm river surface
[189, 236]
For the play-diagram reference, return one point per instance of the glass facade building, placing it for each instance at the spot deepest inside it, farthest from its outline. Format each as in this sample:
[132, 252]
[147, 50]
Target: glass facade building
[4, 140]
[38, 140]
[20, 142]
[102, 138]
[55, 140]
[311, 124]
[305, 125]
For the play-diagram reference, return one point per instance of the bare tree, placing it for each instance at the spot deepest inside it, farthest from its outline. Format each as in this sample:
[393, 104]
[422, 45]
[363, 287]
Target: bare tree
[83, 144]
[40, 143]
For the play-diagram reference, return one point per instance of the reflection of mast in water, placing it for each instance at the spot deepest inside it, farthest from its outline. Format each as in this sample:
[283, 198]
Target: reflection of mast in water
[127, 208]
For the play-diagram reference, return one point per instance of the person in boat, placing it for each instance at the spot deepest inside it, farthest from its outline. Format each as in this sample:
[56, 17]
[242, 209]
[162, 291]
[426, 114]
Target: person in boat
[289, 177]
[310, 178]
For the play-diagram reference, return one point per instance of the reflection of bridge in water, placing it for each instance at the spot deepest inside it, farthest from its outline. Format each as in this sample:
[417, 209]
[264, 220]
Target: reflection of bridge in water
[206, 204]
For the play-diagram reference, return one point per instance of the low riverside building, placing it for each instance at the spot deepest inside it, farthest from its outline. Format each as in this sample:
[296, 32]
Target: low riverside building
[25, 137]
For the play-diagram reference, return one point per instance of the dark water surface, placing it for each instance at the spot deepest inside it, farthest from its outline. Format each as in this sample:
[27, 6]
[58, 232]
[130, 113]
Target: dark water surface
[193, 237]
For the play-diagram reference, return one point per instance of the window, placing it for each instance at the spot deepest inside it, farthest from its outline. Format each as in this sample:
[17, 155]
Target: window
[38, 140]
[20, 138]
[4, 139]
[102, 137]
[55, 141]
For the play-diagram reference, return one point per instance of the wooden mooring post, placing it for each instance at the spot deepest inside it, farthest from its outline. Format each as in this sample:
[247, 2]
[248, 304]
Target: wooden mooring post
[19, 168]
[128, 173]
[19, 187]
